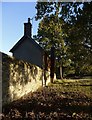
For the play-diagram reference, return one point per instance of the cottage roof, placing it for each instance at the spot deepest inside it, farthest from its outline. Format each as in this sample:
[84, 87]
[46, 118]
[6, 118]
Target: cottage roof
[22, 40]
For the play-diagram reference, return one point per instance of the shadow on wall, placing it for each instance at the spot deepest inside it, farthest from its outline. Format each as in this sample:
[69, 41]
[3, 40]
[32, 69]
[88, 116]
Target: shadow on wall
[18, 78]
[5, 77]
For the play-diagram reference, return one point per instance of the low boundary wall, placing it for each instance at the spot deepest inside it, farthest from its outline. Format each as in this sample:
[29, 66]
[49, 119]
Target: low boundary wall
[19, 78]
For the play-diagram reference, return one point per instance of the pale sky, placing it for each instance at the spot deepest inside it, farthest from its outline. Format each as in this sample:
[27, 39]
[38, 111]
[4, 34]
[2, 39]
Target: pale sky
[14, 15]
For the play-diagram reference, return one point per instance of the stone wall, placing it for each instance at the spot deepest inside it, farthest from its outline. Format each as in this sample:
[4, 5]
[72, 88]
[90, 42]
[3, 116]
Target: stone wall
[19, 78]
[0, 82]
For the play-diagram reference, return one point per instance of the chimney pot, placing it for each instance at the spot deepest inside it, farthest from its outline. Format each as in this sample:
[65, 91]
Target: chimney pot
[28, 20]
[28, 28]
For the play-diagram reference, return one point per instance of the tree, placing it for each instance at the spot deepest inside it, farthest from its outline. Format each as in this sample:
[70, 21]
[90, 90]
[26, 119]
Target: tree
[80, 41]
[50, 34]
[68, 11]
[77, 29]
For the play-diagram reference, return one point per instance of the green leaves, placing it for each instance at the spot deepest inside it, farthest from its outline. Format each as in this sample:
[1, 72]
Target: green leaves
[67, 26]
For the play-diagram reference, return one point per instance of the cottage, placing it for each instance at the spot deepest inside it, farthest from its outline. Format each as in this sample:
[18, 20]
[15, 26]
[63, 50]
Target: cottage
[28, 49]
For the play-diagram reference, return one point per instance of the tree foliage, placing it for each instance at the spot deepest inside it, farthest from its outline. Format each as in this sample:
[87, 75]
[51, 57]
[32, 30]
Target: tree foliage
[80, 41]
[67, 26]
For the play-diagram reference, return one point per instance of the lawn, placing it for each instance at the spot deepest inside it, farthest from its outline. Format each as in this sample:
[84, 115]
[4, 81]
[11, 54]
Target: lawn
[63, 100]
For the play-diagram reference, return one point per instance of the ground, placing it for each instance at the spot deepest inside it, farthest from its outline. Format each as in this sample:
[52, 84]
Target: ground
[62, 100]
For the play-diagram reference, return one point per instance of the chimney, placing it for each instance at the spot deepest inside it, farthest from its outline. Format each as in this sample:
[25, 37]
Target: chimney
[28, 28]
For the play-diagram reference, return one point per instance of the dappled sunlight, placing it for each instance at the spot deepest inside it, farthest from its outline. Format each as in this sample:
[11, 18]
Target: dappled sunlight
[20, 78]
[80, 85]
[54, 102]
[23, 79]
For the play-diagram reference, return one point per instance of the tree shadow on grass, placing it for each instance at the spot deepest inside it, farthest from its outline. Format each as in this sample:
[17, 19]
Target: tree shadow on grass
[47, 101]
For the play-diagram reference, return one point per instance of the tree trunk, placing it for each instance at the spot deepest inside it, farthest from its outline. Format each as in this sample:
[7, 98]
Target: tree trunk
[52, 64]
[61, 72]
[45, 67]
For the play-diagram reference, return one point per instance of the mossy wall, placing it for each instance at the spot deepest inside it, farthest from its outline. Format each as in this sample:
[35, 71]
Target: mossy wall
[19, 78]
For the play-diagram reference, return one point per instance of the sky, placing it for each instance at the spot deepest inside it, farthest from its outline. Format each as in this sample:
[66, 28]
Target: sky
[14, 15]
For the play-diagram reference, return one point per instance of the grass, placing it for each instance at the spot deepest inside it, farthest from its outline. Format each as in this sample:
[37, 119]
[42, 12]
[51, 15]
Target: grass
[62, 100]
[83, 86]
